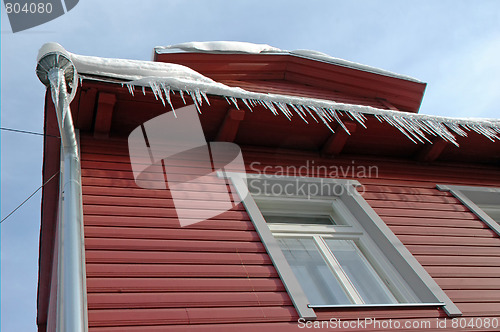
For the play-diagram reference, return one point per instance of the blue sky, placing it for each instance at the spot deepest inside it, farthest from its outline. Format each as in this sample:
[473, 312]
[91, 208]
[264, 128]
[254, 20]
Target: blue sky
[454, 46]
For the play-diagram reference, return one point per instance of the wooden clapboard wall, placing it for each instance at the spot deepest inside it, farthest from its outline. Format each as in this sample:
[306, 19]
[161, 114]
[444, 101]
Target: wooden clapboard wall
[146, 273]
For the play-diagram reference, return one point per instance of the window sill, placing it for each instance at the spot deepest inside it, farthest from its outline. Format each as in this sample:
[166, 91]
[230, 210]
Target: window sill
[367, 305]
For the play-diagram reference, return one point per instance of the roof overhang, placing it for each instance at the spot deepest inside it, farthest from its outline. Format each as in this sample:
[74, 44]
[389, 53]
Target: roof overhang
[118, 95]
[99, 101]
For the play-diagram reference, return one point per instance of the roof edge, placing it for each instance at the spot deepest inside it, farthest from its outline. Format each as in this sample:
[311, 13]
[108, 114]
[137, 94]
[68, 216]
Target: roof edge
[233, 47]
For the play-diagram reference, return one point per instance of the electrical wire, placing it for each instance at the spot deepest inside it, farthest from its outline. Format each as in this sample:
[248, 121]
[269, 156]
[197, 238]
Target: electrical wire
[27, 199]
[26, 132]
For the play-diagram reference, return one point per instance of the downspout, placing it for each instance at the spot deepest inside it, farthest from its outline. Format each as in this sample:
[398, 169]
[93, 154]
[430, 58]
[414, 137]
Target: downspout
[58, 73]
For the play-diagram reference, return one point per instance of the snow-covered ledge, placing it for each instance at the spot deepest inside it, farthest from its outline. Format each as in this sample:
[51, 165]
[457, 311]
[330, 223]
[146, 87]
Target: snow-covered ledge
[166, 79]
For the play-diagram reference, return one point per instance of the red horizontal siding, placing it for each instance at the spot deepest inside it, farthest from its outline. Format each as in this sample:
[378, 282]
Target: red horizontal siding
[159, 257]
[179, 270]
[152, 222]
[204, 299]
[146, 273]
[189, 284]
[144, 317]
[170, 234]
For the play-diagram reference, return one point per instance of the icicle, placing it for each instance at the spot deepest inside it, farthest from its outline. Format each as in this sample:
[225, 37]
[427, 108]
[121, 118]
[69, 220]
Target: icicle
[205, 97]
[308, 110]
[235, 102]
[359, 117]
[284, 110]
[270, 106]
[411, 128]
[166, 91]
[55, 84]
[152, 85]
[246, 103]
[491, 135]
[434, 128]
[456, 129]
[80, 79]
[349, 115]
[325, 113]
[298, 112]
[261, 102]
[199, 98]
[426, 127]
[301, 110]
[157, 92]
[395, 124]
[325, 122]
[195, 101]
[321, 114]
[182, 96]
[193, 96]
[339, 121]
[130, 89]
[286, 106]
[59, 93]
[144, 90]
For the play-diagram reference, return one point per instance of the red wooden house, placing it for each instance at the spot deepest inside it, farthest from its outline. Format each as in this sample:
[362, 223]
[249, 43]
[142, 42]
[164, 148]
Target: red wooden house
[351, 211]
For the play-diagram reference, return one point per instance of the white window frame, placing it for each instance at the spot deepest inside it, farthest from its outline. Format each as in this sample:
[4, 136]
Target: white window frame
[347, 228]
[409, 269]
[464, 194]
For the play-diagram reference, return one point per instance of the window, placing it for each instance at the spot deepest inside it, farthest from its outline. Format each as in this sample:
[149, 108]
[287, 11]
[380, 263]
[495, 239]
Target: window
[483, 201]
[491, 209]
[331, 256]
[330, 248]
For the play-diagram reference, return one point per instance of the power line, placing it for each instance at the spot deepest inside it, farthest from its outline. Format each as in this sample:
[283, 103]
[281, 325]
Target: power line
[27, 199]
[26, 132]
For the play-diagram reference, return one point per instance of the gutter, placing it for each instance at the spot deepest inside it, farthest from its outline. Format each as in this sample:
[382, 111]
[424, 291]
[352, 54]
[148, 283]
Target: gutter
[57, 72]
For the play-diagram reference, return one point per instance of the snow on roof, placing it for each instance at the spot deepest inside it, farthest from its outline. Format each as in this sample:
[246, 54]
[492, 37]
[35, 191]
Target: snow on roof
[232, 47]
[165, 79]
[132, 69]
[220, 47]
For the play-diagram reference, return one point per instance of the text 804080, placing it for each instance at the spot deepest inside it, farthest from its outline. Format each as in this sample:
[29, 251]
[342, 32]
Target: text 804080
[28, 8]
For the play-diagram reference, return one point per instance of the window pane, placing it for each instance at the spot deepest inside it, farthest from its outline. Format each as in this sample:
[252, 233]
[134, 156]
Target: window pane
[316, 278]
[364, 278]
[309, 220]
[492, 210]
